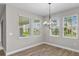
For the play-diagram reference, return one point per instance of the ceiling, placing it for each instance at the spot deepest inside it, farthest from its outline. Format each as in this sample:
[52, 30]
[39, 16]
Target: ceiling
[42, 9]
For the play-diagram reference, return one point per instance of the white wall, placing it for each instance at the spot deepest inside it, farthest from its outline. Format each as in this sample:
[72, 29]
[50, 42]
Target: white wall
[60, 41]
[14, 42]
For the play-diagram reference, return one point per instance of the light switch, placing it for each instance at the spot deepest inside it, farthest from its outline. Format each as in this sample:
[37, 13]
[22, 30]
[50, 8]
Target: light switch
[10, 34]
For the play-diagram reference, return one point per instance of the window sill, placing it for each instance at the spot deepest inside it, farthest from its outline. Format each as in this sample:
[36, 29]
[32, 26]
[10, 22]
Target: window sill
[70, 37]
[36, 36]
[23, 37]
[54, 36]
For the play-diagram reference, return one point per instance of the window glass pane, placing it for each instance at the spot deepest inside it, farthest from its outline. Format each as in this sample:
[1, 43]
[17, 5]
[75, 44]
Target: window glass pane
[70, 26]
[23, 20]
[36, 31]
[36, 27]
[36, 21]
[24, 26]
[54, 27]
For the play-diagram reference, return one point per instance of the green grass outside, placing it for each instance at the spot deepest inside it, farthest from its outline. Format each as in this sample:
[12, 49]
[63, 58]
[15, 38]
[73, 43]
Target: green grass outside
[69, 34]
[36, 32]
[26, 34]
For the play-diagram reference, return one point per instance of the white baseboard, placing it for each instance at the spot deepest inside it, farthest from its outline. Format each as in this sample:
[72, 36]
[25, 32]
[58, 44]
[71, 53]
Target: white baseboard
[61, 47]
[9, 53]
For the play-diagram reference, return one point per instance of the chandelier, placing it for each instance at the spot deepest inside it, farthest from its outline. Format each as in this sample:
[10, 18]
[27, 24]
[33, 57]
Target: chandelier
[48, 23]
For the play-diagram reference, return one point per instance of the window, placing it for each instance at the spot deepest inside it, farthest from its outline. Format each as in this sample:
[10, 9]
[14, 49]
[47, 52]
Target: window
[70, 26]
[36, 27]
[24, 26]
[54, 27]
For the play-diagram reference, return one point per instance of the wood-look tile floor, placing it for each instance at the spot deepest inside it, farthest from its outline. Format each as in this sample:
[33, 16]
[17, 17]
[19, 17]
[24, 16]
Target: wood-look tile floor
[46, 50]
[2, 53]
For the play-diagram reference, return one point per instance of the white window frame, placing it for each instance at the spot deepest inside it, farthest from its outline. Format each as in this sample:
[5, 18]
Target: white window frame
[58, 26]
[20, 26]
[32, 22]
[76, 28]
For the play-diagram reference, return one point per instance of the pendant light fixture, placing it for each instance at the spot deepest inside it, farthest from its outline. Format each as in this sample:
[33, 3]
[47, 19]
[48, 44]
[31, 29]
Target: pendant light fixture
[47, 23]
